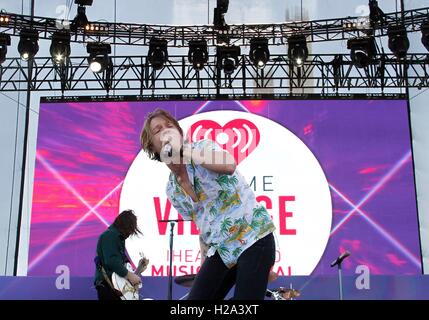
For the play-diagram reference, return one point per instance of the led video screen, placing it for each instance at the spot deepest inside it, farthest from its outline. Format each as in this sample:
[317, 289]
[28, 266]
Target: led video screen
[334, 174]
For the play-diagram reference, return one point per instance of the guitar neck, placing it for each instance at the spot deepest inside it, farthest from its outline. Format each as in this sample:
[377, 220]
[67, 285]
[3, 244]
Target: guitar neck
[141, 266]
[138, 270]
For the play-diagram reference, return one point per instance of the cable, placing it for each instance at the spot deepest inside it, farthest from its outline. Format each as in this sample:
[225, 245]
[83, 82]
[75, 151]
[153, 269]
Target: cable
[18, 102]
[13, 181]
[69, 9]
[421, 92]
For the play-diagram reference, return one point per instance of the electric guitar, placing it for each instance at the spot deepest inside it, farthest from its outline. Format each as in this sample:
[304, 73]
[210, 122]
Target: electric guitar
[283, 294]
[130, 292]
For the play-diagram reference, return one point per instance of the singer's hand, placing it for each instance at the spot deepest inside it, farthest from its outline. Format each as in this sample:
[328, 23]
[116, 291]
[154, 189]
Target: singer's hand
[173, 141]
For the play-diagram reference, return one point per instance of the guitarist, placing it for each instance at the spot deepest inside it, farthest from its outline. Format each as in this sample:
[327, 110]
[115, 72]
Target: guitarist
[111, 255]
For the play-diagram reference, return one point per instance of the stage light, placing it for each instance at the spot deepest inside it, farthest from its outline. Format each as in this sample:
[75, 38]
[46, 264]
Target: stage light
[4, 43]
[4, 19]
[60, 46]
[158, 53]
[227, 58]
[425, 34]
[297, 51]
[28, 45]
[198, 53]
[222, 39]
[95, 28]
[219, 14]
[98, 56]
[84, 2]
[363, 51]
[222, 5]
[356, 24]
[398, 41]
[259, 53]
[81, 20]
[376, 15]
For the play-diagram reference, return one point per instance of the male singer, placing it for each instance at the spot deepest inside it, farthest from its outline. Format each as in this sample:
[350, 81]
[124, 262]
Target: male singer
[205, 186]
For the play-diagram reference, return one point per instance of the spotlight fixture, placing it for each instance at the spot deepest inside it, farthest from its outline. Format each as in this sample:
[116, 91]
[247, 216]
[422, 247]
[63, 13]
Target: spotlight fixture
[425, 34]
[84, 2]
[227, 58]
[356, 24]
[81, 20]
[363, 51]
[60, 46]
[259, 53]
[98, 56]
[4, 19]
[4, 43]
[219, 14]
[222, 39]
[28, 45]
[376, 15]
[298, 51]
[158, 53]
[398, 41]
[95, 28]
[198, 53]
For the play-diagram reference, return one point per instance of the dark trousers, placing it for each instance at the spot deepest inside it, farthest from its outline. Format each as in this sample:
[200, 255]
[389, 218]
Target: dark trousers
[250, 274]
[105, 292]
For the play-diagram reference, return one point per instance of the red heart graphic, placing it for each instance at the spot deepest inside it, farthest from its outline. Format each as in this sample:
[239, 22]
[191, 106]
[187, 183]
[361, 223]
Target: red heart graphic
[239, 137]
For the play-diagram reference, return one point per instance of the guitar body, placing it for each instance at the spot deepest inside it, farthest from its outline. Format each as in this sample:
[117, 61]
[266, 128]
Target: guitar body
[129, 292]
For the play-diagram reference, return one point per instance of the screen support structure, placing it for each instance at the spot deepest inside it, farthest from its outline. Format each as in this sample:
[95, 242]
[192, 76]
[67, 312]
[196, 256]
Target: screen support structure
[24, 156]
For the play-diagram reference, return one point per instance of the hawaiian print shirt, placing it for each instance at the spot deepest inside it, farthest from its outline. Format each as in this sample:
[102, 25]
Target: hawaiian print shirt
[227, 214]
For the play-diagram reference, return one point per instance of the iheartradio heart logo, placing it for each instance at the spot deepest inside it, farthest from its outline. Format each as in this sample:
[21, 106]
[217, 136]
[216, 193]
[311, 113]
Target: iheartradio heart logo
[239, 137]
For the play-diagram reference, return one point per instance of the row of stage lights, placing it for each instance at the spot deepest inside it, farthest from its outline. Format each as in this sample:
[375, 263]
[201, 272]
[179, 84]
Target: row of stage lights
[198, 55]
[362, 49]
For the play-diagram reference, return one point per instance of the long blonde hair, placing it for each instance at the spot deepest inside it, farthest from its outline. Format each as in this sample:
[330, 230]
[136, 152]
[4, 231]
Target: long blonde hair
[146, 135]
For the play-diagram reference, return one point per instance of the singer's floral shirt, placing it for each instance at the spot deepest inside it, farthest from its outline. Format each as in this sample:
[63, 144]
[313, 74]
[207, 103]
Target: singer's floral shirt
[227, 214]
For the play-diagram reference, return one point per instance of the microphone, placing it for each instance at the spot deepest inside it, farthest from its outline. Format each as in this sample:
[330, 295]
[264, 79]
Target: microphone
[340, 258]
[168, 149]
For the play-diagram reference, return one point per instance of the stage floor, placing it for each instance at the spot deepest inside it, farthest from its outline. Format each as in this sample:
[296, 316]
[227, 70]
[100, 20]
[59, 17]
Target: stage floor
[311, 288]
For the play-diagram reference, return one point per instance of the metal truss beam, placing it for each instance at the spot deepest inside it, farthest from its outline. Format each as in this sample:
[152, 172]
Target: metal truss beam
[320, 72]
[178, 36]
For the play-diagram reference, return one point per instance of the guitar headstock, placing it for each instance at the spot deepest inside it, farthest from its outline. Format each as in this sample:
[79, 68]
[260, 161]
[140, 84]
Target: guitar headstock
[142, 265]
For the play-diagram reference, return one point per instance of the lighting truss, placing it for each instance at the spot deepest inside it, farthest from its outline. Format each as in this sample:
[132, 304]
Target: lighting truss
[322, 73]
[179, 36]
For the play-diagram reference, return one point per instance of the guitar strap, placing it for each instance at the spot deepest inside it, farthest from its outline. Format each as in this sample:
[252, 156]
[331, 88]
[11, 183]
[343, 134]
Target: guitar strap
[106, 277]
[109, 282]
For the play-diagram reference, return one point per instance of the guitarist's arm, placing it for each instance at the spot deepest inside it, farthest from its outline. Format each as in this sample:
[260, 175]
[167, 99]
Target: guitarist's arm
[133, 278]
[114, 261]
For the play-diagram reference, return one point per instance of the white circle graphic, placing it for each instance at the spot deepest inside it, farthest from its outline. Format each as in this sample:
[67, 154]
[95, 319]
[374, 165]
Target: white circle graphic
[286, 177]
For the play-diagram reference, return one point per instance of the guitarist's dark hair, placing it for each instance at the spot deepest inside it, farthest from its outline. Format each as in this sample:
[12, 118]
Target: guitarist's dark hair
[126, 223]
